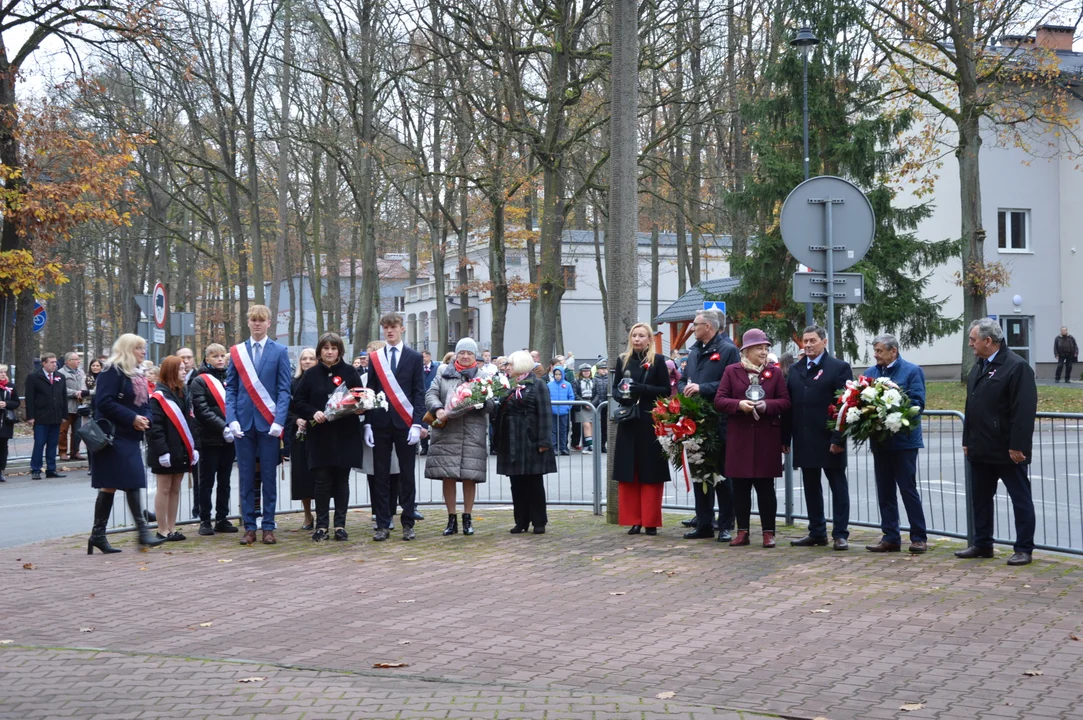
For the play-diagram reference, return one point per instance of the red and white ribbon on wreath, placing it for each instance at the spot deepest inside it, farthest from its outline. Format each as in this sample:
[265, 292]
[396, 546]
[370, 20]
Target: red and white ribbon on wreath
[242, 361]
[684, 465]
[177, 418]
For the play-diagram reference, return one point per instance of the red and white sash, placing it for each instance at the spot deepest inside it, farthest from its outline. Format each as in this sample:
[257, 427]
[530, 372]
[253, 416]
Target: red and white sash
[394, 392]
[260, 397]
[177, 418]
[217, 391]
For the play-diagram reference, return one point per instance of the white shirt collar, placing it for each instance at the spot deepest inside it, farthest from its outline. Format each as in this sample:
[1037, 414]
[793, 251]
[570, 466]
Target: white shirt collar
[399, 347]
[262, 342]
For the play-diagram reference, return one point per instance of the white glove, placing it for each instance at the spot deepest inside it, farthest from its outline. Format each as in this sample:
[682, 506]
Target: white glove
[235, 428]
[227, 435]
[164, 460]
[415, 435]
[195, 457]
[369, 440]
[275, 431]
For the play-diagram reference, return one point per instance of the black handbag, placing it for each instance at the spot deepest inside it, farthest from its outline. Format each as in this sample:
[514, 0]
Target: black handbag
[626, 413]
[96, 434]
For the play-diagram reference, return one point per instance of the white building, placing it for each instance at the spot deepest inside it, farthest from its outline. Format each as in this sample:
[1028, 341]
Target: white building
[581, 308]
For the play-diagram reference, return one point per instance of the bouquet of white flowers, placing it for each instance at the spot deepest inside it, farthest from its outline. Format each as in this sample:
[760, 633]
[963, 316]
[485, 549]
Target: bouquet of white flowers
[872, 408]
[353, 401]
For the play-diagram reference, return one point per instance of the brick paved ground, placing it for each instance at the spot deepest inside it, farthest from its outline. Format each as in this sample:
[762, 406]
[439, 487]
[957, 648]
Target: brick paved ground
[536, 626]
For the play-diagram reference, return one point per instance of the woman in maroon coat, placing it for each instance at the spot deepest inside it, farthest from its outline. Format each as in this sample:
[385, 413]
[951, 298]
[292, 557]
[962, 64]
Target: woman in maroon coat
[754, 433]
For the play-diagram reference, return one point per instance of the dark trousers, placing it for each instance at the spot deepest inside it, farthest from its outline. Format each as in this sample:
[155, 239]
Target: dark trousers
[577, 430]
[814, 501]
[68, 427]
[705, 504]
[392, 496]
[603, 421]
[3, 454]
[1066, 364]
[387, 440]
[899, 469]
[331, 482]
[984, 480]
[46, 438]
[560, 433]
[528, 500]
[215, 466]
[765, 495]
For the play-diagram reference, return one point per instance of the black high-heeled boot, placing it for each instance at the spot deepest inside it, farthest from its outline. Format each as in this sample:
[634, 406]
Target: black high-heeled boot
[468, 524]
[135, 505]
[103, 508]
[453, 524]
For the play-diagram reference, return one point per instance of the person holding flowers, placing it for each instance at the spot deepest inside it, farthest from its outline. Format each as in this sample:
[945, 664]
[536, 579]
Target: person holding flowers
[458, 447]
[332, 446]
[895, 457]
[639, 464]
[754, 396]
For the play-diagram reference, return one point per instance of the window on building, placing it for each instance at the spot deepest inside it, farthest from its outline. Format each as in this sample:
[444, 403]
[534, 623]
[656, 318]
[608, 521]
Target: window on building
[1013, 230]
[400, 303]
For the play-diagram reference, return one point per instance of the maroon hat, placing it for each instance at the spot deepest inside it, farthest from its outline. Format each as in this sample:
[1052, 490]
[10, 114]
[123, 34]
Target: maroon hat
[754, 337]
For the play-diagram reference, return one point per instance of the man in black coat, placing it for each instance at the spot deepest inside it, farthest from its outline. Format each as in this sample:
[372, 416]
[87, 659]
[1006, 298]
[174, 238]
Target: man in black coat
[1001, 404]
[46, 407]
[813, 382]
[709, 357]
[397, 371]
[1066, 351]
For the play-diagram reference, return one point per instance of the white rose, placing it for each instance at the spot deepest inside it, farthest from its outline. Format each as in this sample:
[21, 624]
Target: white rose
[894, 422]
[852, 416]
[869, 394]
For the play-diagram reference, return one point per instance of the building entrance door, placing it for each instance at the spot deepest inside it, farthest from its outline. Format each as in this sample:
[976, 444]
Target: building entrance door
[1017, 333]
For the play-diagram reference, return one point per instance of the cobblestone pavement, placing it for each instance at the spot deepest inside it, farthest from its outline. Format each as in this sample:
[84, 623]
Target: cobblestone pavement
[582, 622]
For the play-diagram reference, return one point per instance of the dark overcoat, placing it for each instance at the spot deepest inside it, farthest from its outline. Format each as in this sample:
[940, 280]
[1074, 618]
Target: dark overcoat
[46, 403]
[804, 428]
[210, 420]
[753, 447]
[119, 466]
[638, 454]
[11, 398]
[524, 426]
[1001, 402]
[163, 436]
[334, 444]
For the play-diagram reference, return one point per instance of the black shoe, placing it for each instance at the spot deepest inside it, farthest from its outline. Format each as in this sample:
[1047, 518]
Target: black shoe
[206, 529]
[1020, 558]
[150, 516]
[654, 531]
[2, 478]
[320, 535]
[159, 536]
[103, 508]
[175, 536]
[417, 516]
[453, 525]
[135, 506]
[518, 529]
[423, 453]
[340, 534]
[35, 476]
[724, 536]
[635, 529]
[225, 526]
[55, 475]
[697, 534]
[693, 522]
[380, 534]
[468, 524]
[974, 552]
[539, 529]
[809, 541]
[408, 533]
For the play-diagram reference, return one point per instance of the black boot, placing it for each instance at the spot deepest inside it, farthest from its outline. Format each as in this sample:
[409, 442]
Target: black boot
[103, 508]
[468, 524]
[135, 505]
[453, 524]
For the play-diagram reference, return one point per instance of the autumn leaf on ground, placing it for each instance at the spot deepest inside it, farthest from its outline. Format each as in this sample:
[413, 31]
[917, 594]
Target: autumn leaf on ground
[1073, 636]
[390, 665]
[225, 559]
[821, 610]
[251, 679]
[908, 707]
[658, 572]
[1026, 586]
[206, 624]
[1033, 673]
[618, 593]
[90, 596]
[86, 629]
[665, 695]
[671, 573]
[29, 566]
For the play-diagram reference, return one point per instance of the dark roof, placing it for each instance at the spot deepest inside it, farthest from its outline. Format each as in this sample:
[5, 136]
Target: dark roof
[691, 302]
[665, 239]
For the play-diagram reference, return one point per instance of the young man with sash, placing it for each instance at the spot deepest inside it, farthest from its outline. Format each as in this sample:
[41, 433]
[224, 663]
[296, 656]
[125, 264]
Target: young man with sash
[257, 400]
[397, 371]
[214, 439]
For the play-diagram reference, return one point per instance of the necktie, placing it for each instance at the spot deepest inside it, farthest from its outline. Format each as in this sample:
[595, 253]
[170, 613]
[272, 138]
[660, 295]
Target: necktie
[811, 366]
[394, 363]
[257, 353]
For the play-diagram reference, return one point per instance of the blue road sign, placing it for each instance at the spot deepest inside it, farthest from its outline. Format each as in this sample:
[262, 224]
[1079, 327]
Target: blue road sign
[40, 317]
[719, 305]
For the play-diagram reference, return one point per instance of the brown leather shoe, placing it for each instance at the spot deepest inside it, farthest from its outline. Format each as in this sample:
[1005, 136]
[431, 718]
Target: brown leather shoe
[883, 547]
[249, 537]
[269, 537]
[768, 538]
[840, 544]
[918, 546]
[740, 539]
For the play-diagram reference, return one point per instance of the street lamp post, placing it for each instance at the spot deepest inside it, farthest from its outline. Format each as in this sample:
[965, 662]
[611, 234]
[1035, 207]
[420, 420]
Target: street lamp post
[805, 41]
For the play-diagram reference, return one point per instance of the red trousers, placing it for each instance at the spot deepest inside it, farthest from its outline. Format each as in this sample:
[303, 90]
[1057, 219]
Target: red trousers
[640, 504]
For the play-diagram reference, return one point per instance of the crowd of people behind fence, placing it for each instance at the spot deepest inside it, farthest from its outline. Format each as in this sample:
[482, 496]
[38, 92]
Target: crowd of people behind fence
[246, 405]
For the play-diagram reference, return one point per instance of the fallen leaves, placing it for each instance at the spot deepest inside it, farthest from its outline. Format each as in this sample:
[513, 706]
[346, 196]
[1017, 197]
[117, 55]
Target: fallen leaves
[1033, 673]
[658, 572]
[86, 629]
[252, 679]
[390, 664]
[910, 707]
[665, 695]
[1026, 586]
[29, 566]
[206, 624]
[1073, 636]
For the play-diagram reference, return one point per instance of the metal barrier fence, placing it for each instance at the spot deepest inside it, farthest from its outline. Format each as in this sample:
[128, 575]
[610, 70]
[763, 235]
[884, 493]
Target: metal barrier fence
[1056, 473]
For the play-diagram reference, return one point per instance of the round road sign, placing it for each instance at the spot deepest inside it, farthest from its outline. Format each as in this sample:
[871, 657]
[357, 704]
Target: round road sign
[804, 229]
[39, 317]
[158, 303]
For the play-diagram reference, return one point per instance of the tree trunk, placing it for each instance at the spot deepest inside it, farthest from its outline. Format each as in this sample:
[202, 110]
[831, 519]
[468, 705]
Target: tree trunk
[498, 274]
[280, 269]
[973, 256]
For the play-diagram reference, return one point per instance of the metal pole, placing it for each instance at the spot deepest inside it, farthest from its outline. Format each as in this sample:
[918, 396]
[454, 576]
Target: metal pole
[804, 112]
[788, 474]
[597, 461]
[829, 271]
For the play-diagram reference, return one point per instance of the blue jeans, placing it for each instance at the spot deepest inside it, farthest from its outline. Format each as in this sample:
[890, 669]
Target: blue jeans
[560, 433]
[899, 468]
[257, 445]
[46, 438]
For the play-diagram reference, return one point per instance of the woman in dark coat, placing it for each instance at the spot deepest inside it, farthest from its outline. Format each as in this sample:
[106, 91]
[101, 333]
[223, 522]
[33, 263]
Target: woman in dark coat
[9, 401]
[754, 434]
[332, 447]
[122, 398]
[523, 441]
[170, 444]
[639, 464]
[302, 485]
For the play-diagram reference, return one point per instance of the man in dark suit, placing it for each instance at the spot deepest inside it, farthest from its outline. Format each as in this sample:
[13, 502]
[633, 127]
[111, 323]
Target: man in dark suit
[812, 383]
[710, 355]
[397, 371]
[1001, 403]
[46, 402]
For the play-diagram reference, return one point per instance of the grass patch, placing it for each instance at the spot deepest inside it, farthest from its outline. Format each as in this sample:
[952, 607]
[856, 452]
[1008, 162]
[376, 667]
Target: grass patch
[952, 396]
